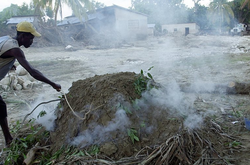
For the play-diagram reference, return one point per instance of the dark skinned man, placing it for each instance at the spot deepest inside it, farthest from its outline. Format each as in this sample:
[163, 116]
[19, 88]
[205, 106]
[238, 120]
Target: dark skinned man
[9, 52]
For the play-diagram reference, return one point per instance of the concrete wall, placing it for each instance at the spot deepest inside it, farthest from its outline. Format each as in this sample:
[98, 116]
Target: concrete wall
[130, 25]
[181, 28]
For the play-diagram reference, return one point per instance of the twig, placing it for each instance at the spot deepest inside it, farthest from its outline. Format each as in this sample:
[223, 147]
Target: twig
[81, 118]
[38, 106]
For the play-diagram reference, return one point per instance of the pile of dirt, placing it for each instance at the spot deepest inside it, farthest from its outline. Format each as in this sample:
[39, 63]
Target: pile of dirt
[104, 111]
[108, 105]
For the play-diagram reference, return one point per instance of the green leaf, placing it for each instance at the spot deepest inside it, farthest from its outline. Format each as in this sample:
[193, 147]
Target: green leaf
[150, 76]
[25, 145]
[150, 68]
[136, 138]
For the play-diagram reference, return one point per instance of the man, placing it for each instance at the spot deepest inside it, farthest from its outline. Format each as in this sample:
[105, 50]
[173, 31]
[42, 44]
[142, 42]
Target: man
[9, 52]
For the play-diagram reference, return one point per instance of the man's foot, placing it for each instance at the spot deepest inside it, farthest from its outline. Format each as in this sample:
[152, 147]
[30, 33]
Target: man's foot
[8, 142]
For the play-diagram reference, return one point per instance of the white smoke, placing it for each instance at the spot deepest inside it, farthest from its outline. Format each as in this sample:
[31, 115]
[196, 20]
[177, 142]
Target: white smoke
[102, 133]
[46, 120]
[177, 103]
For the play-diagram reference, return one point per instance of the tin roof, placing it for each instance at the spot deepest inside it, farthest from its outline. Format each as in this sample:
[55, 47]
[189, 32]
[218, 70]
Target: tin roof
[76, 20]
[16, 20]
[97, 15]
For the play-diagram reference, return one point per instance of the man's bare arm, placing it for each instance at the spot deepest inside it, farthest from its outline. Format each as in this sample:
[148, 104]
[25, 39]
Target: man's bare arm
[19, 55]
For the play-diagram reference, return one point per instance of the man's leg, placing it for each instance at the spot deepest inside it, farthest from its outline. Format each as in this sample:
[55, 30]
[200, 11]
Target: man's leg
[4, 122]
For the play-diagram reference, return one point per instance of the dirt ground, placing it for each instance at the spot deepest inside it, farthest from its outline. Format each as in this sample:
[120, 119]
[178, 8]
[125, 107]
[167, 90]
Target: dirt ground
[102, 80]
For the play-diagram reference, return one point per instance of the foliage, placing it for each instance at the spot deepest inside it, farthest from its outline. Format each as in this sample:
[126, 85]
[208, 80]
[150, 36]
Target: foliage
[141, 83]
[238, 114]
[162, 11]
[233, 144]
[245, 4]
[49, 12]
[98, 5]
[198, 14]
[132, 133]
[20, 146]
[18, 149]
[93, 150]
[241, 10]
[79, 7]
[13, 10]
[221, 13]
[41, 114]
[126, 109]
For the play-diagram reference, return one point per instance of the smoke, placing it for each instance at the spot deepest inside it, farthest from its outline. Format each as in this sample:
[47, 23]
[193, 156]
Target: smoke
[46, 120]
[177, 103]
[102, 133]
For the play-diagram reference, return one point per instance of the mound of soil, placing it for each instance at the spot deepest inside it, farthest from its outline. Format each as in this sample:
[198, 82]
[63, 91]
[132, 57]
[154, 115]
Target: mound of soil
[107, 105]
[106, 111]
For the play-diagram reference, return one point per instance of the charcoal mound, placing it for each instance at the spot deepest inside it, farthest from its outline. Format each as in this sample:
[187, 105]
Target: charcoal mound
[107, 115]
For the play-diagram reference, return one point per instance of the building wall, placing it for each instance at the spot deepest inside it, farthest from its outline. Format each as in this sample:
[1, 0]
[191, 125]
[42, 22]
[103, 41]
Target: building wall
[130, 25]
[181, 28]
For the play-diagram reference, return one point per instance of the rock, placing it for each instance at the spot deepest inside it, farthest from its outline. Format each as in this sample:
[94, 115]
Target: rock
[27, 84]
[20, 80]
[21, 71]
[14, 81]
[70, 48]
[108, 149]
[5, 87]
[18, 87]
[6, 81]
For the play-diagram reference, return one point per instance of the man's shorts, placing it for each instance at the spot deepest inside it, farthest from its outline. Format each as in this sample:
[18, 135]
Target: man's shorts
[3, 109]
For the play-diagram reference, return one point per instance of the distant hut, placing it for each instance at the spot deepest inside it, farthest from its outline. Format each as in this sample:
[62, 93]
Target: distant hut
[13, 21]
[126, 23]
[185, 29]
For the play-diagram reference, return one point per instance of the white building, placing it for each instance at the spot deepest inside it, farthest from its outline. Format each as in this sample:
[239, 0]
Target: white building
[185, 29]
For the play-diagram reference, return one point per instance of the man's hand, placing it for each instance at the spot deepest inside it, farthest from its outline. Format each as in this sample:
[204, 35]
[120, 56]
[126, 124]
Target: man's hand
[57, 87]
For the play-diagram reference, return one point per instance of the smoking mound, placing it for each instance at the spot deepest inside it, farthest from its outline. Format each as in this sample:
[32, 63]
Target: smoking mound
[118, 114]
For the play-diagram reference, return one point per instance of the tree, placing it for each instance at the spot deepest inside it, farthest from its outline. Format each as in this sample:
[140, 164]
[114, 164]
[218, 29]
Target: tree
[196, 3]
[246, 2]
[49, 12]
[242, 9]
[221, 13]
[198, 14]
[13, 10]
[79, 7]
[25, 9]
[40, 6]
[162, 11]
[98, 5]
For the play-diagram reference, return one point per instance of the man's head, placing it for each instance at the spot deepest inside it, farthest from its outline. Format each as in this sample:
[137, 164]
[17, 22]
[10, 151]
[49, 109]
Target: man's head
[26, 33]
[28, 28]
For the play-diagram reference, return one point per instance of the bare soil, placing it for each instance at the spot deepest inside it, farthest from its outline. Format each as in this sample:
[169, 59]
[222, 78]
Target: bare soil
[99, 85]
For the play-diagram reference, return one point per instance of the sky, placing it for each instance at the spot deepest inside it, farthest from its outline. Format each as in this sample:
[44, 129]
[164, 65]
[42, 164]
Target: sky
[67, 11]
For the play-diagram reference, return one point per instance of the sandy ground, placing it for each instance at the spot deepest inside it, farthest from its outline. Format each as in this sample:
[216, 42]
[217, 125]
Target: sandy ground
[200, 60]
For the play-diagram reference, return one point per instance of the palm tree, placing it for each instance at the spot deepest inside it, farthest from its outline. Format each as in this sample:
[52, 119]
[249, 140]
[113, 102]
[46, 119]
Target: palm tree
[246, 2]
[40, 5]
[221, 11]
[244, 11]
[79, 7]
